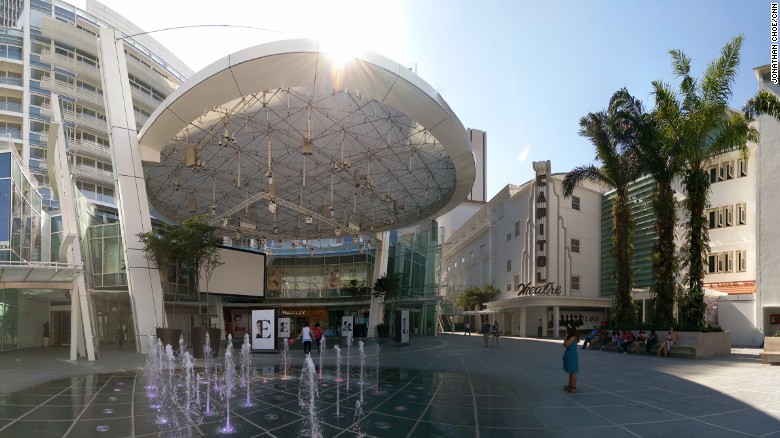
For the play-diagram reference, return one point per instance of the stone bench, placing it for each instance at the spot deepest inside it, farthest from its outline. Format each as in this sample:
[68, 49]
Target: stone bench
[771, 353]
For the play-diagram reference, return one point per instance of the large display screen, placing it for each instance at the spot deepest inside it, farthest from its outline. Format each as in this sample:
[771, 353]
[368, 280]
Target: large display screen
[241, 273]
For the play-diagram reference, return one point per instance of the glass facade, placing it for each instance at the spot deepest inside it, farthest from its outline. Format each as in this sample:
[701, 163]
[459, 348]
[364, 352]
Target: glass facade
[20, 213]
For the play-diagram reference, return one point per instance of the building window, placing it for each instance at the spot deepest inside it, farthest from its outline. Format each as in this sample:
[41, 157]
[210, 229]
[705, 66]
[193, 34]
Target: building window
[471, 254]
[728, 216]
[741, 214]
[575, 282]
[508, 287]
[508, 237]
[741, 168]
[713, 174]
[575, 245]
[517, 228]
[463, 259]
[713, 218]
[728, 261]
[712, 261]
[517, 280]
[509, 265]
[741, 261]
[575, 202]
[729, 170]
[721, 172]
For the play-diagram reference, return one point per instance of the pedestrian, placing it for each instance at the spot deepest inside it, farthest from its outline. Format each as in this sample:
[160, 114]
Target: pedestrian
[466, 328]
[496, 332]
[486, 332]
[570, 359]
[121, 335]
[317, 335]
[306, 336]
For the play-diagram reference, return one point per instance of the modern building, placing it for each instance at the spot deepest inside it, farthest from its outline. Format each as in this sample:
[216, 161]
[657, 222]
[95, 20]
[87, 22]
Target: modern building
[539, 249]
[334, 174]
[766, 312]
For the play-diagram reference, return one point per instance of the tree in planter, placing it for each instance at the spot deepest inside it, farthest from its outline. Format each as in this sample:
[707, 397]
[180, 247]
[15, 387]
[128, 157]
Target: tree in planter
[390, 287]
[190, 247]
[356, 289]
[476, 297]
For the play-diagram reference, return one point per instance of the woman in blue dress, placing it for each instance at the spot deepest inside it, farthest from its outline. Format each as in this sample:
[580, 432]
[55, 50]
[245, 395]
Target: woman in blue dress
[570, 360]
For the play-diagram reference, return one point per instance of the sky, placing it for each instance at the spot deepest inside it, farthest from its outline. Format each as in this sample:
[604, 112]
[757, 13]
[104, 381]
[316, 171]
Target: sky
[523, 71]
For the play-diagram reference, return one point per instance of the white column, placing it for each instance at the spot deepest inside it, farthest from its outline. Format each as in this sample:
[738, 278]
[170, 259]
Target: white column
[143, 279]
[556, 318]
[82, 332]
[523, 322]
[377, 308]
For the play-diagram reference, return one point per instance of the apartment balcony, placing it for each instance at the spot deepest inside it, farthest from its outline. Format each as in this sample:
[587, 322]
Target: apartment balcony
[463, 236]
[82, 95]
[151, 77]
[69, 34]
[11, 109]
[91, 174]
[16, 84]
[90, 149]
[82, 120]
[144, 100]
[79, 67]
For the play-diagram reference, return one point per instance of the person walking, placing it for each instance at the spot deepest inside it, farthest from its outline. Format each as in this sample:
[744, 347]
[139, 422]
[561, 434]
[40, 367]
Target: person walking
[317, 336]
[306, 336]
[570, 359]
[495, 332]
[486, 332]
[466, 328]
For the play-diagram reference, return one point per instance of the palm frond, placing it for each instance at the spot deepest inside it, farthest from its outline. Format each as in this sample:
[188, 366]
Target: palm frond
[581, 173]
[763, 103]
[721, 72]
[681, 64]
[732, 134]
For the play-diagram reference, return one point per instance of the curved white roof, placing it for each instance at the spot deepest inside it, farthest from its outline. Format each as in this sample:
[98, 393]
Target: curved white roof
[386, 149]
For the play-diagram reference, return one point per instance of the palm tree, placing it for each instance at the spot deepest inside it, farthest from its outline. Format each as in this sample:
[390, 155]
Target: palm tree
[660, 158]
[696, 120]
[619, 168]
[475, 297]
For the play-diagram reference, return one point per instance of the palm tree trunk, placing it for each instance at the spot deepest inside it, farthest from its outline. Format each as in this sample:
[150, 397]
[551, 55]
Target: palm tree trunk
[623, 253]
[664, 260]
[697, 185]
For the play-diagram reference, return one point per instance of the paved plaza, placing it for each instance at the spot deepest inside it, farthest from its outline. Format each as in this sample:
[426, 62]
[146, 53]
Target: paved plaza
[450, 385]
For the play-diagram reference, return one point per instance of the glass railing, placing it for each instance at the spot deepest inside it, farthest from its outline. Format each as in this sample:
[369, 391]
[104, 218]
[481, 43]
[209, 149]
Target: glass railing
[11, 106]
[11, 81]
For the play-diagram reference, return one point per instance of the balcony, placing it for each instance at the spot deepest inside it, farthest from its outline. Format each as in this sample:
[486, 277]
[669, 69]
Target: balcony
[79, 67]
[80, 94]
[144, 100]
[82, 120]
[88, 173]
[90, 149]
[69, 34]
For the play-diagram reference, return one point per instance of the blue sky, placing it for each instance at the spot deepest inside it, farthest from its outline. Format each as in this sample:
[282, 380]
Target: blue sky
[524, 71]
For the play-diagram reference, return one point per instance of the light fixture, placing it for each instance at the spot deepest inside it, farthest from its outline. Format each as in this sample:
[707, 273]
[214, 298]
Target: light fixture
[279, 243]
[271, 186]
[294, 246]
[192, 205]
[368, 245]
[361, 248]
[227, 139]
[355, 239]
[338, 231]
[272, 207]
[224, 222]
[308, 144]
[311, 251]
[309, 219]
[238, 235]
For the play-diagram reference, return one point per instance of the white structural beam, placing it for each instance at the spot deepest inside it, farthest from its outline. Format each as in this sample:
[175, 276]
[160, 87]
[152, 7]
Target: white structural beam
[143, 279]
[81, 328]
[377, 309]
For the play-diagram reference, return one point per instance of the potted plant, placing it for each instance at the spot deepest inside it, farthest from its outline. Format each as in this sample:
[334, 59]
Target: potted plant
[357, 289]
[391, 287]
[46, 337]
[200, 246]
[161, 247]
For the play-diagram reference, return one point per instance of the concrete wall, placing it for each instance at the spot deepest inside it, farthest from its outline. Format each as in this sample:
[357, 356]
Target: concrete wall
[33, 313]
[737, 314]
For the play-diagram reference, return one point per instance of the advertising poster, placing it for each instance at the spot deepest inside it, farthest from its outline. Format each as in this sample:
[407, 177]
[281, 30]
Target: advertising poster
[347, 323]
[239, 323]
[263, 329]
[404, 326]
[284, 328]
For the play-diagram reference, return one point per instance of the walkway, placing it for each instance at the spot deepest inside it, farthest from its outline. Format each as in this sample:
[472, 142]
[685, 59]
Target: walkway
[449, 386]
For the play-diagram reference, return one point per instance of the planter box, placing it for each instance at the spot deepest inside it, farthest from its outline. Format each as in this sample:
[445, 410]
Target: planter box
[771, 353]
[169, 336]
[199, 341]
[702, 345]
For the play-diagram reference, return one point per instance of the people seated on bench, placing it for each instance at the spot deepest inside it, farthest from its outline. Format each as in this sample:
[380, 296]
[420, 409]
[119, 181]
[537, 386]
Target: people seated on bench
[602, 339]
[591, 337]
[666, 347]
[651, 340]
[639, 342]
[626, 339]
[613, 343]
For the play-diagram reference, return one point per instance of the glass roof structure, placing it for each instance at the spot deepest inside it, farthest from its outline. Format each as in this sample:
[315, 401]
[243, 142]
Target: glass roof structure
[281, 141]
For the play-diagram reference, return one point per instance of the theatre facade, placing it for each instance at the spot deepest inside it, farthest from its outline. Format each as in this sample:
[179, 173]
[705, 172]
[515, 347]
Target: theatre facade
[542, 251]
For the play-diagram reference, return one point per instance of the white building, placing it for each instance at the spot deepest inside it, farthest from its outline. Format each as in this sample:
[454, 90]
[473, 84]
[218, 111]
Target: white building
[539, 249]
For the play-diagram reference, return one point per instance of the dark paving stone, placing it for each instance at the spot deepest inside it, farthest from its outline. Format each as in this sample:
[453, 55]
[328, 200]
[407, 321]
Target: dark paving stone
[508, 419]
[11, 412]
[37, 429]
[113, 427]
[450, 415]
[682, 428]
[385, 426]
[425, 429]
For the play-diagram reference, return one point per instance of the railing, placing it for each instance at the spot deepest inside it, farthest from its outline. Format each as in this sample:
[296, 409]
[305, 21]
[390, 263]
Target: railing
[77, 66]
[55, 265]
[93, 97]
[90, 148]
[80, 119]
[145, 100]
[93, 174]
[11, 81]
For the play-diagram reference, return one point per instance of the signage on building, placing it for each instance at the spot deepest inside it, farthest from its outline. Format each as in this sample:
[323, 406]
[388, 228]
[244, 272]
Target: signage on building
[542, 289]
[540, 197]
[263, 329]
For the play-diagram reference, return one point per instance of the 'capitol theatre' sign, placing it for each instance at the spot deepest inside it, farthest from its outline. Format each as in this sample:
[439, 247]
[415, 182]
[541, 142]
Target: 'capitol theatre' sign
[544, 289]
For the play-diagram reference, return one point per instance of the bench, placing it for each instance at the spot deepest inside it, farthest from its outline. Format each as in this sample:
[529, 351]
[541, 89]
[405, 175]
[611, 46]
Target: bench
[771, 353]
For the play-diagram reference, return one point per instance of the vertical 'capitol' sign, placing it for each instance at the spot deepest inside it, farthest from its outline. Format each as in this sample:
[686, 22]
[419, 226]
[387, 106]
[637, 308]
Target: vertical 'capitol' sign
[541, 195]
